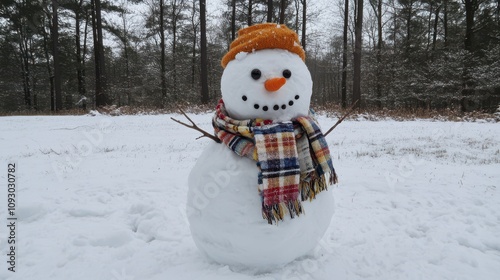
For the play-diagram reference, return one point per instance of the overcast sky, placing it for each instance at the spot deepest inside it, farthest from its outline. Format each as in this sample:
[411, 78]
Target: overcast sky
[327, 23]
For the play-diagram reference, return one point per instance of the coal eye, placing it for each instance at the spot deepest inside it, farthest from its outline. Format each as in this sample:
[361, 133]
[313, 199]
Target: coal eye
[256, 74]
[287, 73]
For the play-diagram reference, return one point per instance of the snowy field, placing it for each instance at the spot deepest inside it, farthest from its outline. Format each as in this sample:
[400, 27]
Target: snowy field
[104, 198]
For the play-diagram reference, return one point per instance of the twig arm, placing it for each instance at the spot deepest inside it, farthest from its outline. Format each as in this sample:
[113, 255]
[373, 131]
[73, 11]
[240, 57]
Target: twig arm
[195, 127]
[350, 110]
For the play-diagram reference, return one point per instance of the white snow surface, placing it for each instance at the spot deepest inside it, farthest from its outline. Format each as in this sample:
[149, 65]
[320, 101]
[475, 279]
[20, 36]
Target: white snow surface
[105, 198]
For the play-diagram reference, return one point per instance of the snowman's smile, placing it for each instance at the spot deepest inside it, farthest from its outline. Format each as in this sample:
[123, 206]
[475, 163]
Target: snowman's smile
[274, 107]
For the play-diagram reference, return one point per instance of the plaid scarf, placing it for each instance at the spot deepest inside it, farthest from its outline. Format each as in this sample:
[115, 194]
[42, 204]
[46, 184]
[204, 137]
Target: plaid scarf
[292, 156]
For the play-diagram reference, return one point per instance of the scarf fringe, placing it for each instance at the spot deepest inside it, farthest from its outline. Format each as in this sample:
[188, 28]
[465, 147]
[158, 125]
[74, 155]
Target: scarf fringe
[276, 212]
[334, 179]
[313, 184]
[309, 187]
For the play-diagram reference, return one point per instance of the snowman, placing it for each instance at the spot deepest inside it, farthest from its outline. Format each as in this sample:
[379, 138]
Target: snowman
[259, 198]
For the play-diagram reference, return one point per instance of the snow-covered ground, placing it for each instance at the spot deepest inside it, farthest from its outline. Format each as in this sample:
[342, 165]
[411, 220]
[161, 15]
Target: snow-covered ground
[104, 198]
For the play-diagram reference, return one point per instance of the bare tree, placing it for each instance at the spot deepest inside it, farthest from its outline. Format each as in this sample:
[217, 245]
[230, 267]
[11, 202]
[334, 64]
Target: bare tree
[249, 16]
[233, 20]
[435, 26]
[377, 8]
[304, 19]
[46, 48]
[269, 10]
[203, 47]
[77, 7]
[468, 83]
[344, 55]
[100, 69]
[471, 7]
[125, 38]
[55, 55]
[356, 92]
[176, 9]
[282, 11]
[195, 21]
[163, 69]
[297, 9]
[445, 23]
[25, 44]
[81, 62]
[409, 9]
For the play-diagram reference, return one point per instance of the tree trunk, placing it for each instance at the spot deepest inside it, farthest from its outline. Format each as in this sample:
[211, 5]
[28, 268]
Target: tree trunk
[395, 29]
[84, 53]
[379, 53]
[98, 85]
[408, 27]
[233, 20]
[269, 10]
[78, 51]
[304, 19]
[101, 86]
[468, 83]
[378, 13]
[26, 69]
[193, 62]
[445, 24]
[174, 49]
[357, 52]
[297, 8]
[282, 11]
[203, 47]
[250, 8]
[429, 27]
[193, 50]
[344, 55]
[436, 21]
[497, 12]
[32, 61]
[49, 69]
[79, 64]
[470, 9]
[163, 70]
[102, 63]
[126, 54]
[55, 55]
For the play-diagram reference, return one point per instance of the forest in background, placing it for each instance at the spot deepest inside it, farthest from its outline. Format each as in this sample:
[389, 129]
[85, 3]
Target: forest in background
[396, 54]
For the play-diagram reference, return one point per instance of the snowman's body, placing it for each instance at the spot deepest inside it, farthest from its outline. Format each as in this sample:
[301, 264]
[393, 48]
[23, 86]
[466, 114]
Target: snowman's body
[225, 218]
[224, 204]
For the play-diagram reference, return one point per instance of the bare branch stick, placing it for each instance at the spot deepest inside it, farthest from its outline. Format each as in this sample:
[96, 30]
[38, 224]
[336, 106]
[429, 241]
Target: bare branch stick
[195, 127]
[350, 110]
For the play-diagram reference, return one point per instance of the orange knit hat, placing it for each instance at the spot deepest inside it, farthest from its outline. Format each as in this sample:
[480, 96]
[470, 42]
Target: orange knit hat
[264, 36]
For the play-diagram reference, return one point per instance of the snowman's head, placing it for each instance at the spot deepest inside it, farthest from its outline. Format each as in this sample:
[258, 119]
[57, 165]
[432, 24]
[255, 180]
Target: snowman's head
[266, 79]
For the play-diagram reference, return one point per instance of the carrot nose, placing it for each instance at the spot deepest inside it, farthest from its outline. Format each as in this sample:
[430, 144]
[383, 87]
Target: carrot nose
[274, 84]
